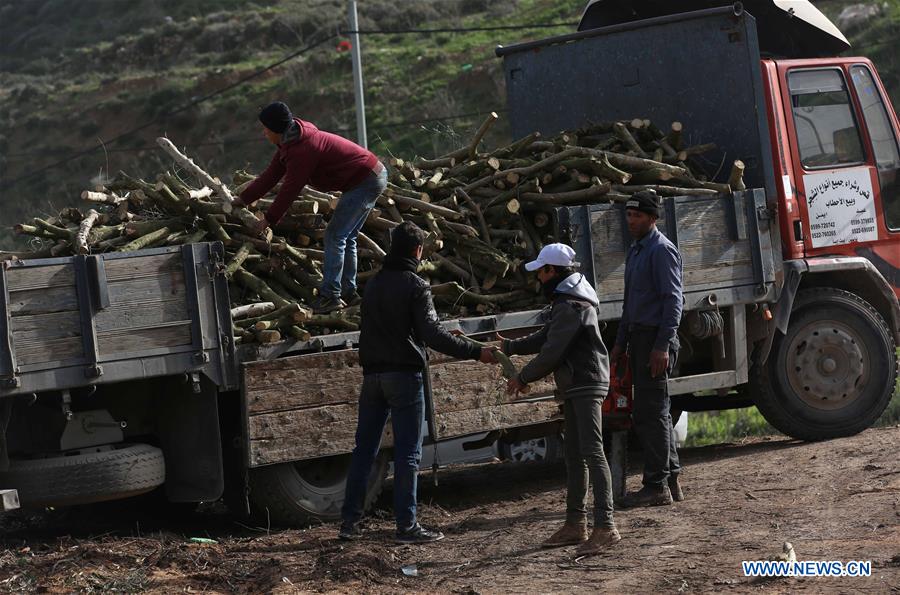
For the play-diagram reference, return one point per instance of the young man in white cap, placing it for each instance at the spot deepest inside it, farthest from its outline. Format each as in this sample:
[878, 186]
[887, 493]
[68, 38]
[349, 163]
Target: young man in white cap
[307, 155]
[570, 346]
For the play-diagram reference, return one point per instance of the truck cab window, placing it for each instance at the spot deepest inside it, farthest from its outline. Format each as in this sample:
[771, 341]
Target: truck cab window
[827, 135]
[884, 143]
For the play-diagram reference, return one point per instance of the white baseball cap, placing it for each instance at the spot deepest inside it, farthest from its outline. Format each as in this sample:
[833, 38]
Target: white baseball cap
[559, 255]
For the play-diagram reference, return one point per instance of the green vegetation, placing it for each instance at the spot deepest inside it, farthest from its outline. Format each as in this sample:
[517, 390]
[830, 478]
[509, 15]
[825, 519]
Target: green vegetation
[732, 425]
[716, 427]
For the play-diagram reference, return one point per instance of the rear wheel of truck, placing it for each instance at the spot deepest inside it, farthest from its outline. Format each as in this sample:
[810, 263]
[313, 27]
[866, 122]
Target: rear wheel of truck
[833, 373]
[307, 491]
[82, 477]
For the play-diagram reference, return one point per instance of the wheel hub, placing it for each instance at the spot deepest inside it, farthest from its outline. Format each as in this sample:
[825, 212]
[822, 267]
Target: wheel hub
[529, 450]
[826, 365]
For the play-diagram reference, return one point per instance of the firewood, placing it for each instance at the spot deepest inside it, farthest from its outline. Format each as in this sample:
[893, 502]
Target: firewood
[736, 179]
[252, 310]
[84, 230]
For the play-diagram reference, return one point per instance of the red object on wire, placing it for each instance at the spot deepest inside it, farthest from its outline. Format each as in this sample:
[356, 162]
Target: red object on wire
[344, 46]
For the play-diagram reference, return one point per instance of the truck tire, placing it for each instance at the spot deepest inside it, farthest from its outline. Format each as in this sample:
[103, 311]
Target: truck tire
[123, 471]
[833, 373]
[297, 494]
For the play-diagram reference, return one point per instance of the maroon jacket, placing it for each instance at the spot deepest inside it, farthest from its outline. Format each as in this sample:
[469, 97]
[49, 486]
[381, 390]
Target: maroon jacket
[321, 159]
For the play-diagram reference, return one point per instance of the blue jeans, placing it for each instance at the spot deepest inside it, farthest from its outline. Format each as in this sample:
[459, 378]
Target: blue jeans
[339, 269]
[402, 395]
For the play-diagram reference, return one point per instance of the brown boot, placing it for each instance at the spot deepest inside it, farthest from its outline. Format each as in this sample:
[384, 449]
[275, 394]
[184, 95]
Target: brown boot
[649, 496]
[675, 489]
[601, 538]
[570, 534]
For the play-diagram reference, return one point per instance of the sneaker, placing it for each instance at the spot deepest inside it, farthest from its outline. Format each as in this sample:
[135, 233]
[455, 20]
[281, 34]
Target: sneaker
[324, 304]
[418, 534]
[352, 299]
[649, 496]
[675, 488]
[349, 533]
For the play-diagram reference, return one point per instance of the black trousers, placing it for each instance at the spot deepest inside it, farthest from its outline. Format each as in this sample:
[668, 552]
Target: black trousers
[651, 413]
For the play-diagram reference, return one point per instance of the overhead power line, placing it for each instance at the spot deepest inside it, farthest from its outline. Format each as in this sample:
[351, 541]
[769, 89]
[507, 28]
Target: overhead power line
[455, 29]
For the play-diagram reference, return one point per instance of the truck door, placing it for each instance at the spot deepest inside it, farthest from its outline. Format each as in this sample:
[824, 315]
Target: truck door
[845, 160]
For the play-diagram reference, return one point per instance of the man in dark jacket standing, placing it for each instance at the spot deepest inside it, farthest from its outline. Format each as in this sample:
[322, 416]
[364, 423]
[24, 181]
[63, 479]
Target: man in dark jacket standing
[651, 313]
[398, 322]
[570, 346]
[307, 155]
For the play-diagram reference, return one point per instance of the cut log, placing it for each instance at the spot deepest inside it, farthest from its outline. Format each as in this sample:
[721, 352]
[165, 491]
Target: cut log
[736, 179]
[188, 164]
[252, 310]
[84, 230]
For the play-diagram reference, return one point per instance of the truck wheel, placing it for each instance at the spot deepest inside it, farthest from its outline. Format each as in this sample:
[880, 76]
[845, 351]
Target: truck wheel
[307, 491]
[122, 471]
[545, 449]
[833, 373]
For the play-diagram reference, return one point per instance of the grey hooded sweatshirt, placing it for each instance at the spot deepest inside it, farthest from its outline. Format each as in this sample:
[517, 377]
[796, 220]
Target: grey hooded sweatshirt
[569, 344]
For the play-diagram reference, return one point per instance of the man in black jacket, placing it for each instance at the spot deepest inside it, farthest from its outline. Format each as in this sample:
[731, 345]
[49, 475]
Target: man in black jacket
[570, 346]
[398, 322]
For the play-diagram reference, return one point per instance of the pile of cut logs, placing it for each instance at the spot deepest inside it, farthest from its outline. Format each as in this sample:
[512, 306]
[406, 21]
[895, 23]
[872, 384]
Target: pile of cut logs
[486, 212]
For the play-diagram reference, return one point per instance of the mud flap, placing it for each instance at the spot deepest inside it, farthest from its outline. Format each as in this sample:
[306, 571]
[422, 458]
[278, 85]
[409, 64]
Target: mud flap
[191, 441]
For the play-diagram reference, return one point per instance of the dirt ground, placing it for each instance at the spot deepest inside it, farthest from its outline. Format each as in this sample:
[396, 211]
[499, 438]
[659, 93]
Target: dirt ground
[836, 500]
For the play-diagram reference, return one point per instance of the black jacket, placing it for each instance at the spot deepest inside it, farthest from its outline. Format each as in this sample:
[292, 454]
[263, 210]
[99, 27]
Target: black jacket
[569, 345]
[399, 321]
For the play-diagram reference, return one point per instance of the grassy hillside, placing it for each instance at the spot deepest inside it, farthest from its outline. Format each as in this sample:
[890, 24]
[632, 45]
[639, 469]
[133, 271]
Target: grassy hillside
[74, 75]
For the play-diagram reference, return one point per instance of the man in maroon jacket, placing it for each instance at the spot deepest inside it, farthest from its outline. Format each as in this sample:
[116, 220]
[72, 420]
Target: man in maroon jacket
[307, 155]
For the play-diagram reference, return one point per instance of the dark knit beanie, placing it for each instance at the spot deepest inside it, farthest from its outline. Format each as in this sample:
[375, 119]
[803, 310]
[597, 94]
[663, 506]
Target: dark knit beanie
[645, 201]
[276, 117]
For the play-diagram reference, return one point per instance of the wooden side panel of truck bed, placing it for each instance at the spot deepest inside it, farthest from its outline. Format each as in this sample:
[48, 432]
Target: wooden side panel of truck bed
[305, 406]
[105, 318]
[147, 309]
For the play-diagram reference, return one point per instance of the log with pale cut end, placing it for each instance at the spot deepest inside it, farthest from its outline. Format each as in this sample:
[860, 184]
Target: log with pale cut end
[292, 310]
[736, 179]
[674, 137]
[188, 164]
[252, 310]
[102, 197]
[84, 230]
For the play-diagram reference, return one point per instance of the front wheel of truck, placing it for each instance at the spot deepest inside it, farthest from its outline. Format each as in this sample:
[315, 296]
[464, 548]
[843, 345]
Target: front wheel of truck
[307, 491]
[833, 373]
